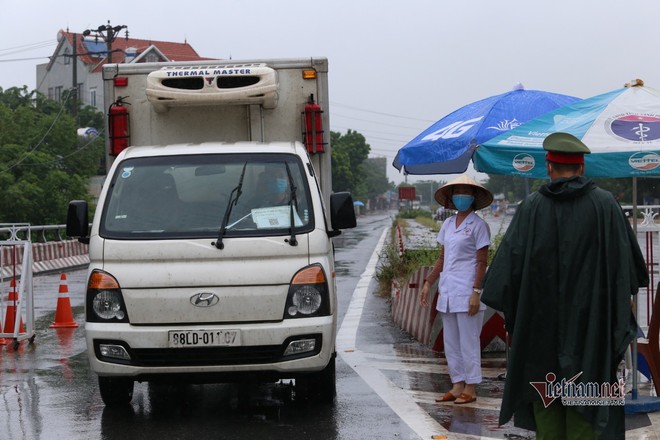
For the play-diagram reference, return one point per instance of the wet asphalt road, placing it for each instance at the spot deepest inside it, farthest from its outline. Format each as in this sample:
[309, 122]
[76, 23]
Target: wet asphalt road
[386, 381]
[48, 392]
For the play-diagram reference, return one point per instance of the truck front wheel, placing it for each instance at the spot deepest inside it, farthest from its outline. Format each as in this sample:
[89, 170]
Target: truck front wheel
[321, 386]
[116, 391]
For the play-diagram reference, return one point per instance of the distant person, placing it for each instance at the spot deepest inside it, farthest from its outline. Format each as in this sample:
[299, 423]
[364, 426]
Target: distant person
[440, 213]
[563, 275]
[461, 265]
[648, 199]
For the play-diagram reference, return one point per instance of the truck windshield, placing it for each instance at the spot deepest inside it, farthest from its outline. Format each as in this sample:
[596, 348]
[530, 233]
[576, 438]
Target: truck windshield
[186, 196]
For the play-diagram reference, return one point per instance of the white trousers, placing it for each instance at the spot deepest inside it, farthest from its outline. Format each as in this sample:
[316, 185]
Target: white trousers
[462, 346]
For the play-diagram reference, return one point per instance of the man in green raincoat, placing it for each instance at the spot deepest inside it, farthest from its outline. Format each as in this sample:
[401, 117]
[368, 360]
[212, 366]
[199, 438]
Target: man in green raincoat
[563, 276]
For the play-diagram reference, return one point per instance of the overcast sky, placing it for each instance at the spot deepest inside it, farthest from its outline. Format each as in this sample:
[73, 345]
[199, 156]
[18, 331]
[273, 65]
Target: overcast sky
[395, 67]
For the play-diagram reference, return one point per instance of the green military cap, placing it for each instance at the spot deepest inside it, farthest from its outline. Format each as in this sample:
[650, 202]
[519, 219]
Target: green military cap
[564, 148]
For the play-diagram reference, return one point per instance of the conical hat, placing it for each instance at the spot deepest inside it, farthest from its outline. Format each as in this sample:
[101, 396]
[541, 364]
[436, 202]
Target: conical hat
[482, 196]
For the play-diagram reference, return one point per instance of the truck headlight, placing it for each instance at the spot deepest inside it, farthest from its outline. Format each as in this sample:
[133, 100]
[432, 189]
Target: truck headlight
[107, 305]
[104, 299]
[308, 294]
[306, 300]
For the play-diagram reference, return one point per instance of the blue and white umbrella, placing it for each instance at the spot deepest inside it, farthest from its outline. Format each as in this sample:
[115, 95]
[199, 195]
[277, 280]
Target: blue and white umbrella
[621, 128]
[447, 146]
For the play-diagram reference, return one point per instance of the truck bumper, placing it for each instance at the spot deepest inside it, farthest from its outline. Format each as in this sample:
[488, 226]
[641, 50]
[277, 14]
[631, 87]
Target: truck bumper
[144, 352]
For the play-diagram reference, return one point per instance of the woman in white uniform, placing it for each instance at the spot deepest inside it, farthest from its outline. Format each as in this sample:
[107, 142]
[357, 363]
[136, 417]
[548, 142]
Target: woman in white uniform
[464, 239]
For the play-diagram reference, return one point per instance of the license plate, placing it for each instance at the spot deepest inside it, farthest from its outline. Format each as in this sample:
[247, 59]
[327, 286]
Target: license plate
[203, 338]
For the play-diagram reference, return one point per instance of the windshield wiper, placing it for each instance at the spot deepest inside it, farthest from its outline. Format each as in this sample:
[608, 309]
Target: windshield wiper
[293, 201]
[233, 200]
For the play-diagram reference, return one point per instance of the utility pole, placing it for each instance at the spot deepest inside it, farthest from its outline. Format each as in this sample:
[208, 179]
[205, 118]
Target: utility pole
[105, 32]
[74, 89]
[108, 34]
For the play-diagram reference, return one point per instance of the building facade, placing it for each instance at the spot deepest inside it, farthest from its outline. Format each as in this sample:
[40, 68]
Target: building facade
[55, 79]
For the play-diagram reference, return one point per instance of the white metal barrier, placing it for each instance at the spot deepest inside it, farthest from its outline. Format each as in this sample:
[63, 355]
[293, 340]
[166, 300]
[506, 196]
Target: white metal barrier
[20, 297]
[648, 234]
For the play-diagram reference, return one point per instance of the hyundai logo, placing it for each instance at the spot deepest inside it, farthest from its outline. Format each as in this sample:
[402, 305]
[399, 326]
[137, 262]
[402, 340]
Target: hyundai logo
[204, 299]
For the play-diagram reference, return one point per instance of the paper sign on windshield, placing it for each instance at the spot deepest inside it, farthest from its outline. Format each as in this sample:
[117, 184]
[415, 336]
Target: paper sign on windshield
[275, 217]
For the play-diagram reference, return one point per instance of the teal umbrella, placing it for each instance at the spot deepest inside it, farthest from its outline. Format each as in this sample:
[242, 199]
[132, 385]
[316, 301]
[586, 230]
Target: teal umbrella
[621, 128]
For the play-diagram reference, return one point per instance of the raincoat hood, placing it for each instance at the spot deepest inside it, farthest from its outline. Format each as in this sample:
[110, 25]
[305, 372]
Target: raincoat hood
[566, 188]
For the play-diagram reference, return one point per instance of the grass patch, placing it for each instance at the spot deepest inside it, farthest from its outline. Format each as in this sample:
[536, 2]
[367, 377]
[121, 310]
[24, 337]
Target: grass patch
[429, 223]
[393, 267]
[494, 244]
[400, 268]
[414, 213]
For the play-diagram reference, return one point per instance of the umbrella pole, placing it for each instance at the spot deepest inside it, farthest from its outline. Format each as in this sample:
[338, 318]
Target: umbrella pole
[526, 186]
[634, 345]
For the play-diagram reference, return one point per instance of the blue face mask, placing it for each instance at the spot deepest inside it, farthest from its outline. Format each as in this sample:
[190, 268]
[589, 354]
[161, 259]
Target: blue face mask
[462, 202]
[280, 185]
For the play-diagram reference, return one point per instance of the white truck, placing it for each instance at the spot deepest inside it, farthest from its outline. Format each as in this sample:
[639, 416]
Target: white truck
[211, 254]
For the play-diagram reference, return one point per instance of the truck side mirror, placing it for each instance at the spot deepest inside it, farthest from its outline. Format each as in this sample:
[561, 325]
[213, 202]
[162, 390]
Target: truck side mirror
[77, 220]
[342, 212]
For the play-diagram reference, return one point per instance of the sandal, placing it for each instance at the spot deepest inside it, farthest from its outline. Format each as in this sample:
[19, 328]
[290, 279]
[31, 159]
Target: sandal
[448, 397]
[464, 398]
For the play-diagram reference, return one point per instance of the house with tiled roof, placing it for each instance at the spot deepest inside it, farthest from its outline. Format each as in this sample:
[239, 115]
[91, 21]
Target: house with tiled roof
[57, 77]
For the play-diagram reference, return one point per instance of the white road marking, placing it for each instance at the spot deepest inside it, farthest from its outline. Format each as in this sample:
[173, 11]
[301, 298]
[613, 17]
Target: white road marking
[400, 401]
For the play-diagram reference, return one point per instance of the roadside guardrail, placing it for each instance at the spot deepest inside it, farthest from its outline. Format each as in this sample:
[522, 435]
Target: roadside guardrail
[51, 250]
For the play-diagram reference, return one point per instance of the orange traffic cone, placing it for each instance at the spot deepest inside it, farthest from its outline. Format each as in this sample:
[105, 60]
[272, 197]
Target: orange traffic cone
[10, 316]
[63, 314]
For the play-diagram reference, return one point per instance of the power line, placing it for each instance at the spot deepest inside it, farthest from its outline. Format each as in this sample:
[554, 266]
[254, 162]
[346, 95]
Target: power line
[22, 49]
[402, 137]
[30, 45]
[24, 59]
[395, 140]
[33, 149]
[383, 153]
[335, 114]
[59, 159]
[379, 113]
[401, 141]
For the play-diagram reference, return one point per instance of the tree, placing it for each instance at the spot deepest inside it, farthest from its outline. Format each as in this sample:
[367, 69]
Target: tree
[348, 153]
[516, 188]
[648, 189]
[374, 183]
[43, 163]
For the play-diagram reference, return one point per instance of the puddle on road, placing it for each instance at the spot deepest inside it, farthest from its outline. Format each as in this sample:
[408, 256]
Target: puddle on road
[470, 420]
[343, 268]
[212, 411]
[349, 240]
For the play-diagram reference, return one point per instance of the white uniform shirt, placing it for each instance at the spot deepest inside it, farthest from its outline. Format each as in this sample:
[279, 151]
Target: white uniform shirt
[460, 265]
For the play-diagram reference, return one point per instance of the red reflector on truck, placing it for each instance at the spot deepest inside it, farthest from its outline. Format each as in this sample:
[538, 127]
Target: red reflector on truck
[121, 81]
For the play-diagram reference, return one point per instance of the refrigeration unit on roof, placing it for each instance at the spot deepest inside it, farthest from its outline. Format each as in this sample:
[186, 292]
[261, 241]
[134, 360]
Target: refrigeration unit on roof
[229, 84]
